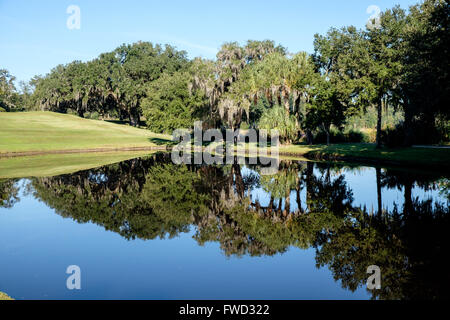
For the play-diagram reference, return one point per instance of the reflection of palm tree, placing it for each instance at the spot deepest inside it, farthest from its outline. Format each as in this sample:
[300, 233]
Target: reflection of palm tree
[279, 187]
[379, 199]
[151, 197]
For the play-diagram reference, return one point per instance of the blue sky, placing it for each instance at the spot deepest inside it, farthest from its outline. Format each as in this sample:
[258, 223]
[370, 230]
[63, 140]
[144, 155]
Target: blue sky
[34, 37]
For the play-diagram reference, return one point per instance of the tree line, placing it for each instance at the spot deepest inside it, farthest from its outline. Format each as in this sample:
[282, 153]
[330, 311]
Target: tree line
[401, 65]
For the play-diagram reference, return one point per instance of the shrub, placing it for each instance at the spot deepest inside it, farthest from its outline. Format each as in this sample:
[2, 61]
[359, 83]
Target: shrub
[393, 137]
[336, 136]
[277, 118]
[370, 135]
[92, 115]
[354, 136]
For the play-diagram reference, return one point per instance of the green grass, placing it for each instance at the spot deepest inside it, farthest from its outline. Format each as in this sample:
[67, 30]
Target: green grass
[4, 296]
[358, 152]
[49, 131]
[56, 164]
[368, 152]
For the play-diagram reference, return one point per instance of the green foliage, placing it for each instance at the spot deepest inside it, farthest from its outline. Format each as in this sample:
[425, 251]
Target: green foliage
[368, 118]
[338, 136]
[172, 191]
[280, 184]
[8, 193]
[150, 197]
[372, 78]
[171, 103]
[115, 81]
[425, 85]
[394, 137]
[277, 118]
[325, 108]
[257, 110]
[9, 97]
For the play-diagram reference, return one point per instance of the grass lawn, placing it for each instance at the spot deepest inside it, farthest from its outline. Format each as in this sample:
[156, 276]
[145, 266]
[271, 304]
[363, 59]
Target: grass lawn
[56, 164]
[368, 152]
[361, 152]
[49, 131]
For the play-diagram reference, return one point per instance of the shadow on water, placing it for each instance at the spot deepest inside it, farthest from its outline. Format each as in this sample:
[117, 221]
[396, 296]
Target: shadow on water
[308, 205]
[162, 141]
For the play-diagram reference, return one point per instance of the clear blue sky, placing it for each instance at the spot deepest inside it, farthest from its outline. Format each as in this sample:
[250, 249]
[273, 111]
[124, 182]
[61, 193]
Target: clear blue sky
[34, 37]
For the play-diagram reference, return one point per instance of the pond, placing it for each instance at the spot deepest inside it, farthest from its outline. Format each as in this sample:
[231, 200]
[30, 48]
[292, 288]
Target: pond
[149, 229]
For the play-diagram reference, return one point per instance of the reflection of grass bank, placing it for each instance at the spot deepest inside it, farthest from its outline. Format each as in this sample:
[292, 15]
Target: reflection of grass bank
[4, 296]
[360, 152]
[46, 132]
[56, 164]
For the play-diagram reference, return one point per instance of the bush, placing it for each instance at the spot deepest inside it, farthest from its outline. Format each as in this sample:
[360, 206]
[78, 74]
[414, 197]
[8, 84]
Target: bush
[244, 126]
[370, 135]
[277, 118]
[92, 115]
[336, 136]
[393, 137]
[354, 136]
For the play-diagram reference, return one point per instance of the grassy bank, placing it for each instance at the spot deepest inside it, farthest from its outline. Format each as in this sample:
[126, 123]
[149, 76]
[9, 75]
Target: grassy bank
[56, 164]
[49, 131]
[368, 153]
[44, 132]
[425, 156]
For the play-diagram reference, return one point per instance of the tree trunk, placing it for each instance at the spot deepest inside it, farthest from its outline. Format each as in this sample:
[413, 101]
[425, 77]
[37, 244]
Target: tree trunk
[380, 203]
[379, 115]
[299, 201]
[270, 207]
[309, 186]
[121, 115]
[407, 207]
[239, 181]
[409, 132]
[309, 137]
[134, 118]
[327, 132]
[287, 202]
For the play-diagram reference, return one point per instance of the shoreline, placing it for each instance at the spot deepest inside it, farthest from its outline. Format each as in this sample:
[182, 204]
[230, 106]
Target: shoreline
[87, 150]
[361, 153]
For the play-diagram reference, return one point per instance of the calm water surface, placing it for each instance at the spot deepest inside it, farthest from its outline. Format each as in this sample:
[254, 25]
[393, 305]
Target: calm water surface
[149, 229]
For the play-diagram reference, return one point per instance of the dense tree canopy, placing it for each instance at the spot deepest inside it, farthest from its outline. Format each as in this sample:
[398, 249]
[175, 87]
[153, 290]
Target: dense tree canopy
[399, 66]
[171, 103]
[9, 98]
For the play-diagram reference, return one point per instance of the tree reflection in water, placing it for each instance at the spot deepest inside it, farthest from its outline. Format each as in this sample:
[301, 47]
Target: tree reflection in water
[150, 197]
